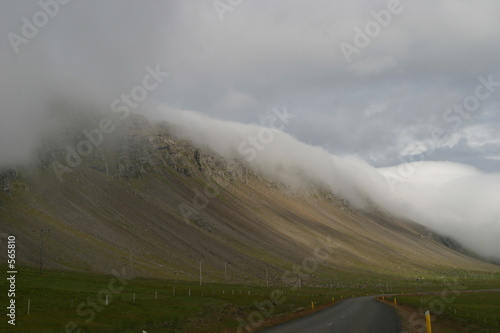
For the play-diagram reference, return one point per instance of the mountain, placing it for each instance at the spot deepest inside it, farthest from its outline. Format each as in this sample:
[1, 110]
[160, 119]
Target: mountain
[120, 193]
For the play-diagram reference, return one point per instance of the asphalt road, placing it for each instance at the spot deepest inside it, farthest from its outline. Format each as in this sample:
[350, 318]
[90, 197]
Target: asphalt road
[354, 315]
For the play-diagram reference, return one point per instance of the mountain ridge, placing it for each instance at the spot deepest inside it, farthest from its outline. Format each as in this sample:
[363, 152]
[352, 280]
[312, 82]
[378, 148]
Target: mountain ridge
[162, 203]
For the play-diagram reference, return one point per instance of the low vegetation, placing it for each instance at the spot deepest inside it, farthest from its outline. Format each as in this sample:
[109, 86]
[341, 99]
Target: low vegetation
[75, 302]
[62, 301]
[452, 311]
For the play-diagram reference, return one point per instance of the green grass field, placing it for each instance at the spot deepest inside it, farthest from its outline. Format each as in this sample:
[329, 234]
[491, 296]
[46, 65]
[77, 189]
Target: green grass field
[460, 312]
[69, 301]
[75, 302]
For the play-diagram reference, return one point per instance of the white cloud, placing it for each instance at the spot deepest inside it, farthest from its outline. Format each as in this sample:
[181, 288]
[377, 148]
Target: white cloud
[478, 136]
[454, 199]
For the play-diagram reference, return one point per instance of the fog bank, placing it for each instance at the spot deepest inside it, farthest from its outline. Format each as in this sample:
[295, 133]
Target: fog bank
[454, 199]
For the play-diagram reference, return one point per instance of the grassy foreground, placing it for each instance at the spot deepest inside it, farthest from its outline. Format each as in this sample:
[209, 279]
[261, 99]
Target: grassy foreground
[452, 311]
[76, 302]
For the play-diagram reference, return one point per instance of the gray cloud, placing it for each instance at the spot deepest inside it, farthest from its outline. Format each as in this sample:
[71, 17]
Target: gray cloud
[382, 107]
[266, 54]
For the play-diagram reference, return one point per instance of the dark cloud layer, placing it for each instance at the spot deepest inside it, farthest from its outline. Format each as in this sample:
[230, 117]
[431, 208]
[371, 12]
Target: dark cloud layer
[268, 54]
[383, 103]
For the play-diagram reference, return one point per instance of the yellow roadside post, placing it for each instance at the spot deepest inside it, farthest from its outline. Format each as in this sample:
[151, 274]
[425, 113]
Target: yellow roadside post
[395, 302]
[333, 299]
[428, 321]
[312, 305]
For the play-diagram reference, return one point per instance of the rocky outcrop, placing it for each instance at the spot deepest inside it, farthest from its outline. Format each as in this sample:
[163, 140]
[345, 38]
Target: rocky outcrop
[6, 177]
[133, 149]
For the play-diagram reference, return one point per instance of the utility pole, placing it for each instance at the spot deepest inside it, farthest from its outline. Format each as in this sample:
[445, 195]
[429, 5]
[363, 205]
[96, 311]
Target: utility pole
[130, 258]
[41, 232]
[200, 273]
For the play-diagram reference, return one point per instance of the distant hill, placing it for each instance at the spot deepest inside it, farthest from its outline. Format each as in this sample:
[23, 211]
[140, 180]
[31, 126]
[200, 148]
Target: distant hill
[144, 195]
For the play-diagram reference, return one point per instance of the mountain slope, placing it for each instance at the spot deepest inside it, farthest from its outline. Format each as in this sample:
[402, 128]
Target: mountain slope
[168, 205]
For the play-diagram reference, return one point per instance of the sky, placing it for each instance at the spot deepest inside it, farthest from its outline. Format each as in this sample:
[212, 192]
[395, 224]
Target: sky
[407, 93]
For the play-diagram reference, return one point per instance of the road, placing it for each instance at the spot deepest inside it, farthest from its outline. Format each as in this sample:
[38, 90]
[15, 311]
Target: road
[354, 315]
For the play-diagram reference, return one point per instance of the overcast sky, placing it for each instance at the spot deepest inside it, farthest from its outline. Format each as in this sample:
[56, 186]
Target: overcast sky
[238, 62]
[386, 82]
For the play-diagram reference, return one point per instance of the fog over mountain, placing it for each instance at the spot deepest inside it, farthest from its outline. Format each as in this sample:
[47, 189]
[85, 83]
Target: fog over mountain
[454, 199]
[404, 116]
